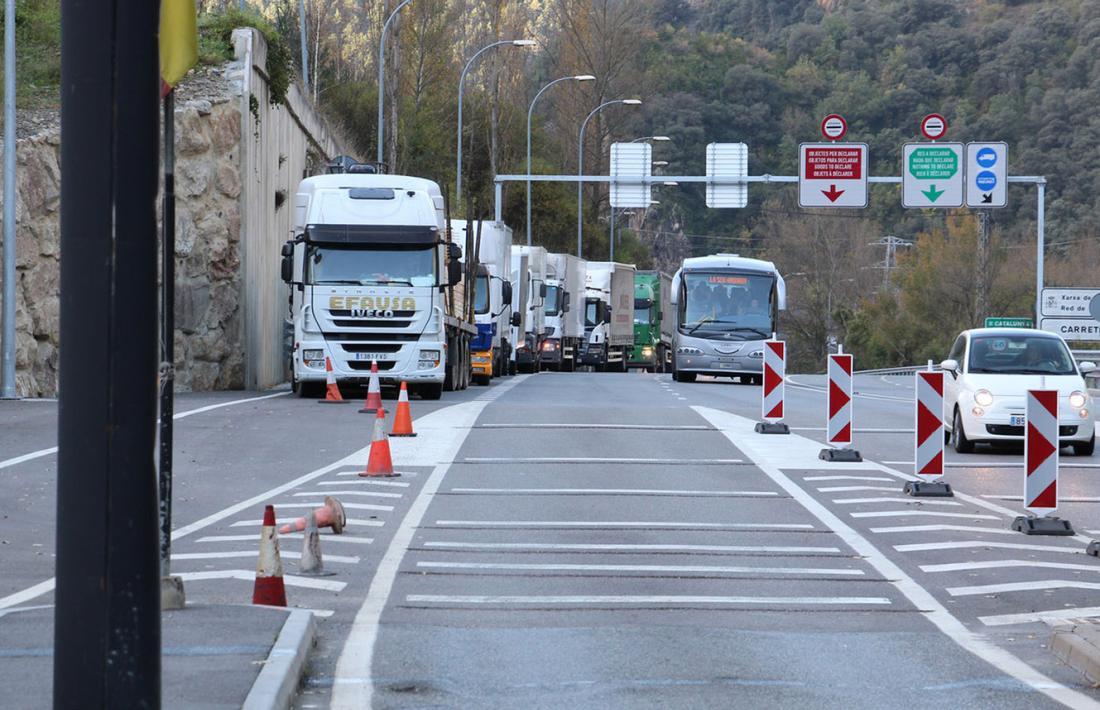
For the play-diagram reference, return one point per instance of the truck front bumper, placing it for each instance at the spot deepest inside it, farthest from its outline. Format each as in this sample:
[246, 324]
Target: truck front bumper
[406, 365]
[481, 363]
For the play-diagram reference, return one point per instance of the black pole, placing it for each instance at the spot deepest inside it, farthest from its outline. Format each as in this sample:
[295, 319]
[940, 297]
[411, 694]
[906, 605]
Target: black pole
[107, 617]
[167, 332]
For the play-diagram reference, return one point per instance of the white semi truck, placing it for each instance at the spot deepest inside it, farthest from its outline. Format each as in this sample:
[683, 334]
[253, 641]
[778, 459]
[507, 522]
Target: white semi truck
[491, 349]
[374, 276]
[527, 350]
[564, 312]
[608, 315]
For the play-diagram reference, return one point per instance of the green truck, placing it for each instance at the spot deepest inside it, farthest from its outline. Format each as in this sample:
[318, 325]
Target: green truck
[652, 321]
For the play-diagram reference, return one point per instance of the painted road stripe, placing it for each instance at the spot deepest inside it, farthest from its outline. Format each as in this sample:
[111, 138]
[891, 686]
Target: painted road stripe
[847, 478]
[943, 528]
[854, 501]
[284, 521]
[857, 431]
[372, 494]
[610, 547]
[657, 427]
[364, 482]
[1006, 564]
[1021, 587]
[410, 474]
[673, 569]
[1026, 618]
[613, 524]
[612, 492]
[342, 559]
[969, 544]
[1064, 463]
[290, 580]
[906, 513]
[802, 452]
[595, 460]
[327, 538]
[849, 489]
[671, 600]
[1061, 499]
[349, 506]
[27, 594]
[182, 415]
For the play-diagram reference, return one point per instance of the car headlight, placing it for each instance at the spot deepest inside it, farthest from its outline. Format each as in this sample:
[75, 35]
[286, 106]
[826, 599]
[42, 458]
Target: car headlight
[688, 350]
[1077, 400]
[983, 397]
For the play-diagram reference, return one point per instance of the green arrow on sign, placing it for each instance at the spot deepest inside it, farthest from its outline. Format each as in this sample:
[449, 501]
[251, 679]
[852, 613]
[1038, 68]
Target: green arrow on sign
[932, 193]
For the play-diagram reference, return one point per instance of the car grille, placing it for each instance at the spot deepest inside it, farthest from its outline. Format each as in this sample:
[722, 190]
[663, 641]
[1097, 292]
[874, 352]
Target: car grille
[1006, 430]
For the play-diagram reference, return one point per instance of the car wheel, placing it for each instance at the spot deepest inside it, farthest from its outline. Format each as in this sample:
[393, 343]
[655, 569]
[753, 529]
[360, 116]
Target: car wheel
[1085, 448]
[961, 444]
[684, 376]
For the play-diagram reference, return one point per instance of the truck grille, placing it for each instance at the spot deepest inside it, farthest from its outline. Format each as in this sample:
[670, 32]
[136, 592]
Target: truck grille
[371, 348]
[362, 365]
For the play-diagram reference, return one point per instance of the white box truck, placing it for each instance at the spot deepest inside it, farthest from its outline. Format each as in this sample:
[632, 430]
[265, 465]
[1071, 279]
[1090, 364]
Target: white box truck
[521, 284]
[491, 348]
[564, 311]
[608, 315]
[527, 352]
[374, 277]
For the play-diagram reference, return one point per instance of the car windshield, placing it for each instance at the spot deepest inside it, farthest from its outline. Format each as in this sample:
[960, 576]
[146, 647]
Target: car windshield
[372, 267]
[481, 297]
[551, 304]
[727, 305]
[1020, 355]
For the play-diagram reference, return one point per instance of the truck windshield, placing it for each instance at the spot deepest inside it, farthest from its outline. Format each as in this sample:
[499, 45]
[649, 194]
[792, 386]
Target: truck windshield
[481, 297]
[388, 266]
[642, 307]
[592, 312]
[551, 304]
[1020, 355]
[725, 305]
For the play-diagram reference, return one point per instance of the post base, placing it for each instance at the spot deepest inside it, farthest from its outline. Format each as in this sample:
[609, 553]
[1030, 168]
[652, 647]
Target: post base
[1093, 548]
[928, 489]
[171, 593]
[772, 428]
[1029, 525]
[841, 455]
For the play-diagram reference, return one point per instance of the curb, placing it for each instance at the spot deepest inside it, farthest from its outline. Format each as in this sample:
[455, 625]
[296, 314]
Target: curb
[1071, 645]
[277, 683]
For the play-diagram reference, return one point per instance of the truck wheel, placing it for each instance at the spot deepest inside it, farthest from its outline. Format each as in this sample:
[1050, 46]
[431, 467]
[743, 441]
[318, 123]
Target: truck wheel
[684, 376]
[482, 380]
[432, 391]
[309, 390]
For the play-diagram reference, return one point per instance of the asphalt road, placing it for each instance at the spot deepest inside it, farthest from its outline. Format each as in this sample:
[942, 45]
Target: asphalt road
[613, 540]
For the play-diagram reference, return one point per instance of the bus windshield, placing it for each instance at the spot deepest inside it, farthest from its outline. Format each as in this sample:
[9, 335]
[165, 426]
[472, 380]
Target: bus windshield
[726, 305]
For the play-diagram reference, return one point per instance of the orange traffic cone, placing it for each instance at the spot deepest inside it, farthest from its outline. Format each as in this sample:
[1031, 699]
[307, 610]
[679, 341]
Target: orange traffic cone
[379, 464]
[402, 420]
[332, 392]
[330, 515]
[269, 589]
[374, 392]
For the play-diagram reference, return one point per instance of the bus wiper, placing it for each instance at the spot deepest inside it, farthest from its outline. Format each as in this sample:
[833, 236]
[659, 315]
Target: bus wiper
[748, 329]
[700, 324]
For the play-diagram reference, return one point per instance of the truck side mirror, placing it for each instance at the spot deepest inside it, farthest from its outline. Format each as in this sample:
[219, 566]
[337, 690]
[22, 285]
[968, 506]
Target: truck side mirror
[660, 316]
[454, 251]
[565, 302]
[516, 320]
[454, 272]
[506, 291]
[287, 269]
[542, 290]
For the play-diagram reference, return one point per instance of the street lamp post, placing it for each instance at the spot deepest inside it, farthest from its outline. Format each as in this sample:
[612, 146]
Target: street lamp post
[530, 110]
[656, 139]
[382, 74]
[580, 167]
[7, 337]
[461, 83]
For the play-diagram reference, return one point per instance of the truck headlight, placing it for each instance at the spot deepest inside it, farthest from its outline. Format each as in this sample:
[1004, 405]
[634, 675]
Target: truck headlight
[1077, 400]
[688, 350]
[313, 355]
[983, 398]
[647, 351]
[432, 355]
[549, 345]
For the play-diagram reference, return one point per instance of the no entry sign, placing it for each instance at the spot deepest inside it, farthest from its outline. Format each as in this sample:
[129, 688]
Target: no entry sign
[833, 127]
[933, 126]
[832, 175]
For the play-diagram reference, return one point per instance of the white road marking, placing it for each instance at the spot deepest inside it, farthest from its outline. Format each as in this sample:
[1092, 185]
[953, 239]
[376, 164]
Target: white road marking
[372, 494]
[410, 474]
[283, 521]
[610, 547]
[349, 506]
[325, 539]
[1029, 617]
[1064, 462]
[353, 686]
[612, 524]
[182, 415]
[596, 460]
[1061, 499]
[612, 492]
[969, 544]
[848, 478]
[847, 489]
[19, 609]
[659, 427]
[978, 590]
[673, 600]
[364, 482]
[27, 594]
[342, 559]
[290, 580]
[857, 431]
[1006, 564]
[918, 501]
[927, 513]
[673, 569]
[802, 452]
[943, 528]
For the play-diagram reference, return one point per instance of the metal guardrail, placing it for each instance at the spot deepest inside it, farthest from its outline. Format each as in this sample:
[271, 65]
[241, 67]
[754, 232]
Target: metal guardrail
[904, 370]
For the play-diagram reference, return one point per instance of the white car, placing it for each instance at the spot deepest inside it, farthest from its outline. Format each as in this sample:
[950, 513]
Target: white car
[988, 374]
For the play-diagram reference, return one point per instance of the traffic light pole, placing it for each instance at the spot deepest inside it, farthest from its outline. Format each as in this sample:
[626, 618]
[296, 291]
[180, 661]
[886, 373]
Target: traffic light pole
[107, 618]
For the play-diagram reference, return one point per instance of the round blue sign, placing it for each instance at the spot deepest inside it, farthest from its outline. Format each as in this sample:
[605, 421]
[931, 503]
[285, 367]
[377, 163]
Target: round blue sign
[986, 157]
[985, 180]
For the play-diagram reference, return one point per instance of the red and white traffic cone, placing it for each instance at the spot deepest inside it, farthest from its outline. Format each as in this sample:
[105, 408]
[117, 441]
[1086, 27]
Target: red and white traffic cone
[379, 464]
[402, 419]
[1041, 467]
[374, 392]
[332, 391]
[330, 515]
[268, 589]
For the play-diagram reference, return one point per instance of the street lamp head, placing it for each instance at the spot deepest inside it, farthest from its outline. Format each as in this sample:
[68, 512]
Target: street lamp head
[670, 183]
[660, 163]
[660, 138]
[632, 102]
[584, 77]
[524, 42]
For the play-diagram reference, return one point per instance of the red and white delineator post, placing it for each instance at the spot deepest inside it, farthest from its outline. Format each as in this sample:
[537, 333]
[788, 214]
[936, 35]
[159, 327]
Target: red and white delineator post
[772, 394]
[1041, 467]
[839, 406]
[928, 443]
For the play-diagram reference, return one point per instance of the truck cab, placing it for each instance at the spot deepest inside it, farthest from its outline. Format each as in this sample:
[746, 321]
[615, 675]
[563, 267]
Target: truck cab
[563, 312]
[608, 315]
[527, 350]
[491, 348]
[652, 326]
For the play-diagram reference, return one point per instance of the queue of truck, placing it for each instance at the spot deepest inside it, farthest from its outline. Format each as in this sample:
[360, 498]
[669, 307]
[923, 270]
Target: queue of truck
[379, 275]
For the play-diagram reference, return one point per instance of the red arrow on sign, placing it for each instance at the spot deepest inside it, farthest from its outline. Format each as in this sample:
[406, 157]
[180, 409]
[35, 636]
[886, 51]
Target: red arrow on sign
[832, 193]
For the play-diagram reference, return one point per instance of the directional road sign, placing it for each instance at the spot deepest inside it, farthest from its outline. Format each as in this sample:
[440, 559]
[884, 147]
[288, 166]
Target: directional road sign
[832, 175]
[1071, 302]
[630, 164]
[1009, 322]
[986, 175]
[725, 160]
[932, 175]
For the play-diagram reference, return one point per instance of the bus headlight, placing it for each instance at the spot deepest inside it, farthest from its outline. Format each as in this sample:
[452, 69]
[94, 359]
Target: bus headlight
[757, 354]
[688, 350]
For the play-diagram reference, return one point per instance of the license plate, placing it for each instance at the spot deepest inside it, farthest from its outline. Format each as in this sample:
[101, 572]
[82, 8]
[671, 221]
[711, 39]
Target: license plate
[1016, 420]
[371, 356]
[725, 364]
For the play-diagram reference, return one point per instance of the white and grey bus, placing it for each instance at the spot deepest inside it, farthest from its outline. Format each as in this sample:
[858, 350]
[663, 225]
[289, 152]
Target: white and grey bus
[725, 308]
